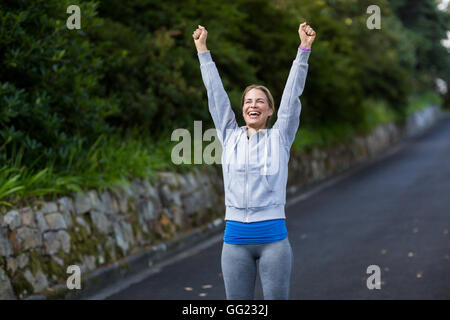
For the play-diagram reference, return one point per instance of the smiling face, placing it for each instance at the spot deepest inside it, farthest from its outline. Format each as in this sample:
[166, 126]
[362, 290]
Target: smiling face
[256, 109]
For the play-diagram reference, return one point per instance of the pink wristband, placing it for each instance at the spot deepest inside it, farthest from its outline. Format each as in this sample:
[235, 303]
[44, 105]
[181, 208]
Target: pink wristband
[304, 49]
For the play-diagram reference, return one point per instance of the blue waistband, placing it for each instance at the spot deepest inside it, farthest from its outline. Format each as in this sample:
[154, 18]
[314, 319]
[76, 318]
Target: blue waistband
[255, 232]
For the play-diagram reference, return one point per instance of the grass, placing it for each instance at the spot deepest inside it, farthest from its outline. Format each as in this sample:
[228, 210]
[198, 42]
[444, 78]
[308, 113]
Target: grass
[376, 113]
[308, 138]
[418, 102]
[111, 160]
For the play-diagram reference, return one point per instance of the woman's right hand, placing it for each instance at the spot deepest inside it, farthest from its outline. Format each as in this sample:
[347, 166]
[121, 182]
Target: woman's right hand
[199, 36]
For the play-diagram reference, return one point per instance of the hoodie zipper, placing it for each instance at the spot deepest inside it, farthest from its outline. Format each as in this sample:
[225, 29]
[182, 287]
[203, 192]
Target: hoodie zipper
[246, 181]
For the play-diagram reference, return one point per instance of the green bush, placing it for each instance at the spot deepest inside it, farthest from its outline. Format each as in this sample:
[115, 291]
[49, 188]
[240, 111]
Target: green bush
[49, 81]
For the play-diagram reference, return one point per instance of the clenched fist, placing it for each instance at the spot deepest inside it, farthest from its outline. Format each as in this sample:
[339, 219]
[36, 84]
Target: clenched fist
[199, 36]
[307, 35]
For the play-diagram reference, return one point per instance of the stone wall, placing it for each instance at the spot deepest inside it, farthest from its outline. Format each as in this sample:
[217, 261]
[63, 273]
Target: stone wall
[95, 229]
[92, 229]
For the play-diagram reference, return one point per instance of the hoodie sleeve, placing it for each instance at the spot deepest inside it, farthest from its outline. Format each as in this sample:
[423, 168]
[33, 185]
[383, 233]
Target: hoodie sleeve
[288, 116]
[218, 101]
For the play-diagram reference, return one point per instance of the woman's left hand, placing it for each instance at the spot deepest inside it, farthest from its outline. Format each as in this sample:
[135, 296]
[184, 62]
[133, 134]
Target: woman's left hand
[307, 35]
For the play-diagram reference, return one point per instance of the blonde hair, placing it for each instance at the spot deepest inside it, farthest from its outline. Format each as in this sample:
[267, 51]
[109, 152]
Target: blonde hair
[268, 96]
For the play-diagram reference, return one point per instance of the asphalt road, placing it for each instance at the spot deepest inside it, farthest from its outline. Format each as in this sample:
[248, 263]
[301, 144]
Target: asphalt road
[393, 213]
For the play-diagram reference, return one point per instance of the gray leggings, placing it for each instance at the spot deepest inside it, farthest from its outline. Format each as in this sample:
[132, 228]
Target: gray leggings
[239, 265]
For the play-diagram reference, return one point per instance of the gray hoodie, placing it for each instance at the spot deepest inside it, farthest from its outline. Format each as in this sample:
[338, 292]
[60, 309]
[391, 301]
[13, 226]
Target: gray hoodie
[255, 169]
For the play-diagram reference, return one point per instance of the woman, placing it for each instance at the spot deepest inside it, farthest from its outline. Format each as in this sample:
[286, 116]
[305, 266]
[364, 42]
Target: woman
[255, 169]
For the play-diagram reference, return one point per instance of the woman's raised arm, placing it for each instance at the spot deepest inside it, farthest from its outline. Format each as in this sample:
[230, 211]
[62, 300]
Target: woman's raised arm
[288, 116]
[218, 101]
